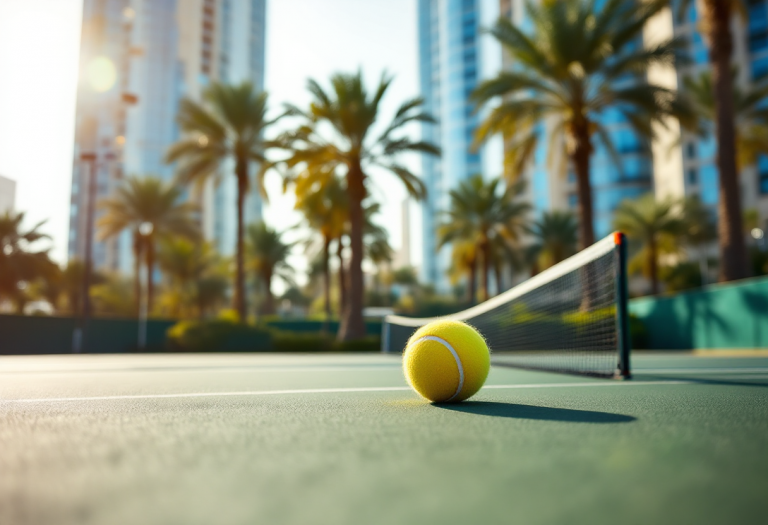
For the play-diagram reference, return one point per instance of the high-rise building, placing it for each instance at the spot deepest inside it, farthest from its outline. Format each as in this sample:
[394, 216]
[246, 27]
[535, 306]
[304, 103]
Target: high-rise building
[138, 59]
[697, 172]
[7, 195]
[452, 59]
[677, 163]
[403, 255]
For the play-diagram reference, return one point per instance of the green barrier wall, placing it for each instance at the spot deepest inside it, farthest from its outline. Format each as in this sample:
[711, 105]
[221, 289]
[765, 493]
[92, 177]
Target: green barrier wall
[53, 335]
[719, 316]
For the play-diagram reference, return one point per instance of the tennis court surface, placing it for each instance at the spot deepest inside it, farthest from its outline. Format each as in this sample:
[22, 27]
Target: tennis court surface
[340, 439]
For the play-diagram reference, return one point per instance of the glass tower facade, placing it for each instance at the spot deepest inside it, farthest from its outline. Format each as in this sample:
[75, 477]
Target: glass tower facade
[101, 117]
[757, 47]
[449, 69]
[155, 53]
[241, 49]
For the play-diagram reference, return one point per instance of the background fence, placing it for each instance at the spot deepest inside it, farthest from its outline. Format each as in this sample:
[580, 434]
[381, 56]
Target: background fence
[53, 335]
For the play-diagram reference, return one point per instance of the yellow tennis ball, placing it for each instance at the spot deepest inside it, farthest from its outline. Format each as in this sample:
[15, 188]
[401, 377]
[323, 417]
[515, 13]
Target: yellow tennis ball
[446, 361]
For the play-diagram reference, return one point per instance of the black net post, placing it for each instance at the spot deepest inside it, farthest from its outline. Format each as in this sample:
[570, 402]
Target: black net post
[622, 313]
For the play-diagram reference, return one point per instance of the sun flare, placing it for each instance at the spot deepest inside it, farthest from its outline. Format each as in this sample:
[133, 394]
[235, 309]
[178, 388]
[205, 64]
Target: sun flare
[101, 74]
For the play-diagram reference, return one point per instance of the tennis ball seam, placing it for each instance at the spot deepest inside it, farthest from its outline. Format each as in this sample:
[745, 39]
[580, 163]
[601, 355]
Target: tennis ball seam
[455, 355]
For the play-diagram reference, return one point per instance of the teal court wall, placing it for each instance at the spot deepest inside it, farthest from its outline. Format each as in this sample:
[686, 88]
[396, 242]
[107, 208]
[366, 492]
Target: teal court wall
[721, 316]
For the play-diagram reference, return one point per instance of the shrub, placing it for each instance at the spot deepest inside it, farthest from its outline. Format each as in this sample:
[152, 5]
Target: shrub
[222, 335]
[371, 343]
[283, 341]
[217, 336]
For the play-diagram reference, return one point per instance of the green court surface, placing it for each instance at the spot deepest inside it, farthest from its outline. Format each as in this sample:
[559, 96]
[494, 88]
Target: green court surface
[339, 439]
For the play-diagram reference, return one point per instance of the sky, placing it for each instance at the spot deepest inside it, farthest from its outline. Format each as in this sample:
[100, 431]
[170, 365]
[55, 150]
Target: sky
[39, 45]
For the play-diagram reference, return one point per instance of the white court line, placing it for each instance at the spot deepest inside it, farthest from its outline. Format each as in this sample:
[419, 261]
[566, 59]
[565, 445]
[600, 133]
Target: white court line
[245, 369]
[745, 370]
[329, 391]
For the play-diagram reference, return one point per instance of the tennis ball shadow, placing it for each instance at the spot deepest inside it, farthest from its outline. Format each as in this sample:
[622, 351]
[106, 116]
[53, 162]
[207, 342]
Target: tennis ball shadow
[514, 411]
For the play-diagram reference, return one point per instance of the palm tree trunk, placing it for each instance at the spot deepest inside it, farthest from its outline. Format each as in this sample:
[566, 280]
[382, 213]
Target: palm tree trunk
[485, 249]
[326, 281]
[472, 285]
[269, 301]
[352, 325]
[653, 268]
[150, 262]
[733, 251]
[241, 170]
[498, 273]
[200, 310]
[342, 275]
[137, 271]
[703, 270]
[580, 159]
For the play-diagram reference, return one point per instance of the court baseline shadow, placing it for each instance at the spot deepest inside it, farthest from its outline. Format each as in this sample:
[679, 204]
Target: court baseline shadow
[540, 413]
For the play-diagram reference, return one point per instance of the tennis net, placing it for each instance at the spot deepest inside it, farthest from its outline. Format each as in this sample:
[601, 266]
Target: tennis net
[570, 318]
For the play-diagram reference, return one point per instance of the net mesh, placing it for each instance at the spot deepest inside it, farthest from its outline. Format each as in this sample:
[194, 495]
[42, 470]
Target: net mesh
[562, 320]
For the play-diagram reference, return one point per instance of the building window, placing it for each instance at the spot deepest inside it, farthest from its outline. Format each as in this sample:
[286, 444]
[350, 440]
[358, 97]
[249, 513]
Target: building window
[573, 200]
[700, 49]
[757, 15]
[693, 177]
[759, 68]
[690, 150]
[763, 182]
[758, 42]
[762, 174]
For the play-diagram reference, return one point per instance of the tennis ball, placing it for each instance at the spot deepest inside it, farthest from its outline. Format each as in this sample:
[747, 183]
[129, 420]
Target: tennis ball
[446, 361]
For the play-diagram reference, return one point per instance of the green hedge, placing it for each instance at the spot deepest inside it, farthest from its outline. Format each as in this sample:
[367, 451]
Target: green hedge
[218, 335]
[227, 336]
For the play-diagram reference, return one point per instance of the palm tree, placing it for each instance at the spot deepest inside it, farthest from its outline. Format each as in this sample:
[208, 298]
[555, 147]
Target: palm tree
[71, 283]
[151, 210]
[653, 225]
[483, 214]
[268, 258]
[191, 269]
[464, 257]
[750, 114]
[112, 296]
[50, 288]
[716, 22]
[349, 112]
[575, 64]
[556, 236]
[321, 198]
[211, 291]
[377, 248]
[228, 126]
[20, 262]
[699, 229]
